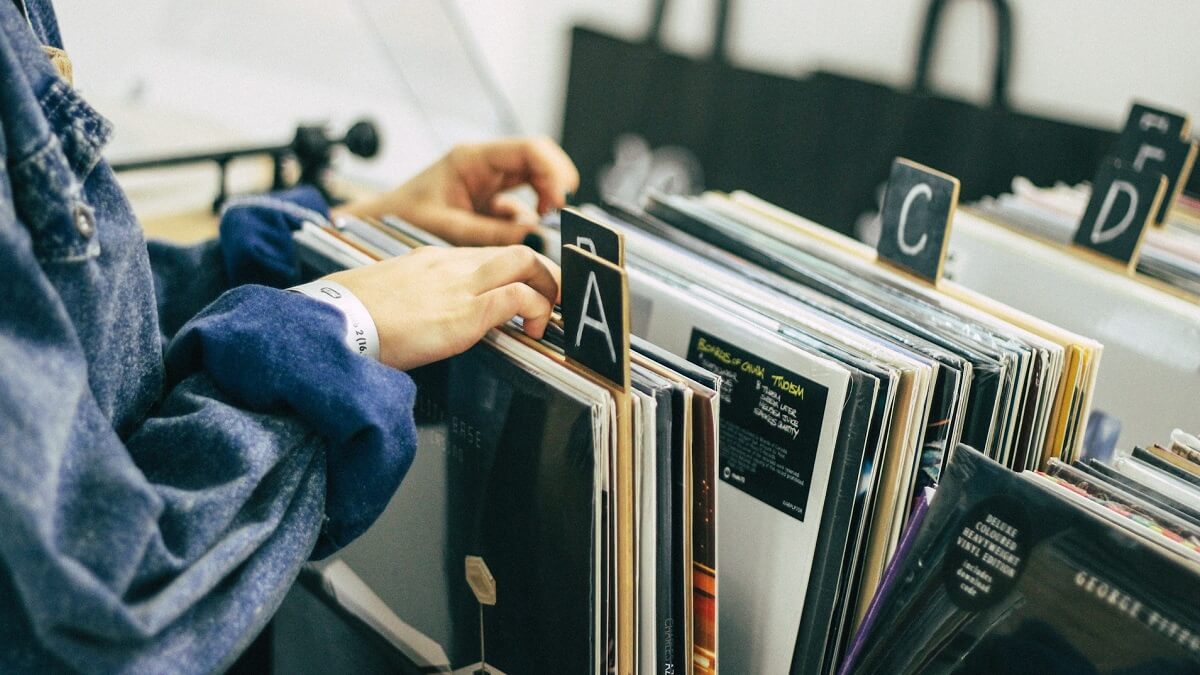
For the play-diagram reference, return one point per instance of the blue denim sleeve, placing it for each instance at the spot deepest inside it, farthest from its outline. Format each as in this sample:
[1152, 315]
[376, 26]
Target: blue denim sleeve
[186, 279]
[276, 351]
[160, 548]
[166, 546]
[255, 247]
[256, 235]
[280, 352]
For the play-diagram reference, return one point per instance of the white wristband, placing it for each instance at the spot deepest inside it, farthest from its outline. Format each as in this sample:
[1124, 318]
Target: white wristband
[361, 335]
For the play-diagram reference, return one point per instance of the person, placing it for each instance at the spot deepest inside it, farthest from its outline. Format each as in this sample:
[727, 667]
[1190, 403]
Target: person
[174, 442]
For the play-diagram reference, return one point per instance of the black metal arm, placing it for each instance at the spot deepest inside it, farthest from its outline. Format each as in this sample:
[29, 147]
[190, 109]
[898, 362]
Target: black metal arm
[311, 147]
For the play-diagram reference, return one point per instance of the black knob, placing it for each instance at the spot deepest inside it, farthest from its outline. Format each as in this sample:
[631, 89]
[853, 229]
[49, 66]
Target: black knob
[362, 139]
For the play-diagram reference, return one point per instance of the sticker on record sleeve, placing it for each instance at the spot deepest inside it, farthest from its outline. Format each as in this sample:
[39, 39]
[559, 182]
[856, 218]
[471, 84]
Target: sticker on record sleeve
[989, 550]
[770, 424]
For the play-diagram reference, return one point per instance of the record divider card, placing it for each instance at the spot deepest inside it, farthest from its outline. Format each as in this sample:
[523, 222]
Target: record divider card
[1156, 141]
[1118, 214]
[918, 209]
[592, 236]
[595, 312]
[1135, 188]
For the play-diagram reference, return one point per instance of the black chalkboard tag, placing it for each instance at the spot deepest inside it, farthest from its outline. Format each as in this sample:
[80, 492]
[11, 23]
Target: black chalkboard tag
[1121, 207]
[592, 236]
[1155, 141]
[1144, 119]
[595, 313]
[918, 207]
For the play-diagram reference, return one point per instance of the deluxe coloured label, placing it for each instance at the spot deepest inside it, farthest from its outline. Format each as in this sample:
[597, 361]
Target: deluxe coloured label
[989, 551]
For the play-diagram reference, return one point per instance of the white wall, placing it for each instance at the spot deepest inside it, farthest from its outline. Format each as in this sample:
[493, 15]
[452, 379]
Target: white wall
[1079, 58]
[1084, 59]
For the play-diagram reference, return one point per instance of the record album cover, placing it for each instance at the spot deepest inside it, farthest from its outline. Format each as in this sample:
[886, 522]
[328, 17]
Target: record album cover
[1006, 575]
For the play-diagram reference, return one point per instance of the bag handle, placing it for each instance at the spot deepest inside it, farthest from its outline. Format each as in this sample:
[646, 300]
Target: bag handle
[1004, 38]
[720, 27]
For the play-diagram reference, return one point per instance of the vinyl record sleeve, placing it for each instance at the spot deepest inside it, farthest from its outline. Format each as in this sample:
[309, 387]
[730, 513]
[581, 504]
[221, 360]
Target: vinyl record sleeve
[1063, 591]
[509, 468]
[674, 582]
[1129, 509]
[1146, 492]
[989, 394]
[888, 509]
[1062, 402]
[645, 433]
[766, 552]
[1177, 458]
[1182, 473]
[1157, 479]
[665, 577]
[697, 504]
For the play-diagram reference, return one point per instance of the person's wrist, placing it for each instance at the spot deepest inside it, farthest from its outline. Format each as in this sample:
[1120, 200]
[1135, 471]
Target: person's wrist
[362, 335]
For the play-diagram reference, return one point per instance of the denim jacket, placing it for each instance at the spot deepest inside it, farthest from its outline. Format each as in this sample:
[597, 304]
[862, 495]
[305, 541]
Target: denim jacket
[156, 502]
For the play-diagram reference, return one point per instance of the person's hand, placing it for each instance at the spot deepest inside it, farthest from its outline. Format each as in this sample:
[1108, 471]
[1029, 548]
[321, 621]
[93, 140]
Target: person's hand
[435, 302]
[462, 197]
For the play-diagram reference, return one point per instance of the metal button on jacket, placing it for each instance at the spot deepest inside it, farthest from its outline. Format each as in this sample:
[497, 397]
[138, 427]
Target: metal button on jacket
[85, 220]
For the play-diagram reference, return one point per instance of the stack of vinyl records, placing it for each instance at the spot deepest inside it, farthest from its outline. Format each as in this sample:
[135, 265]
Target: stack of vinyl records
[1015, 249]
[556, 518]
[1089, 567]
[1118, 260]
[789, 404]
[857, 381]
[1169, 254]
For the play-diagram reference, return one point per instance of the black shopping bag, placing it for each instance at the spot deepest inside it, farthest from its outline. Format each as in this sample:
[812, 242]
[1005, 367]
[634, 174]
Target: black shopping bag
[867, 124]
[638, 116]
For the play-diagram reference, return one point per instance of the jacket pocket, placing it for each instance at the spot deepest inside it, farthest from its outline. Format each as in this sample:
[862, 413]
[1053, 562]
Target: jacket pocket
[47, 182]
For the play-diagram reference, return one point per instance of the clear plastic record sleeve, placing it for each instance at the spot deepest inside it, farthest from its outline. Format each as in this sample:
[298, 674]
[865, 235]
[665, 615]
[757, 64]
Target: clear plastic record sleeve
[698, 506]
[834, 587]
[780, 406]
[988, 393]
[1008, 575]
[666, 563]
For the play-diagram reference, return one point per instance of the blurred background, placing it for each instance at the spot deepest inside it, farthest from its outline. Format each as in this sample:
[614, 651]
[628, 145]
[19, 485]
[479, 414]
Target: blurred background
[191, 74]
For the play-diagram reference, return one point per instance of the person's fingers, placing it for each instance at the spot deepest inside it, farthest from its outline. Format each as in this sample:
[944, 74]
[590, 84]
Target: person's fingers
[557, 272]
[499, 305]
[464, 228]
[537, 161]
[512, 208]
[519, 264]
